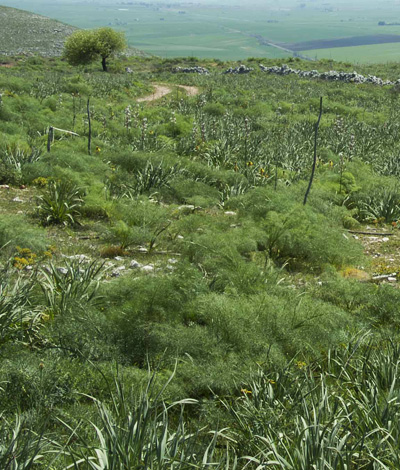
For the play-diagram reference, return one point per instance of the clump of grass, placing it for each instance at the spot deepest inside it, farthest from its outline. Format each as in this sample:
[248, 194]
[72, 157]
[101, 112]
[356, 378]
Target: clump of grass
[140, 432]
[15, 230]
[146, 180]
[382, 206]
[325, 414]
[60, 204]
[72, 286]
[20, 447]
[18, 317]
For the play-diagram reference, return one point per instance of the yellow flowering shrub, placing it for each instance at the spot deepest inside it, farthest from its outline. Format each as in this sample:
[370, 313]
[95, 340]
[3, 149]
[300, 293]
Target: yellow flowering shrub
[24, 258]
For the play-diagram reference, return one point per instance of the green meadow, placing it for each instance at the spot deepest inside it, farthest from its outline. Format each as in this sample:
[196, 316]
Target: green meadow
[198, 271]
[377, 53]
[167, 298]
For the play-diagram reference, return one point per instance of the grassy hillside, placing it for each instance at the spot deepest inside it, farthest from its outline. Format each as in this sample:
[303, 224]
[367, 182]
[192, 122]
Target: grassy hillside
[167, 301]
[22, 32]
[26, 33]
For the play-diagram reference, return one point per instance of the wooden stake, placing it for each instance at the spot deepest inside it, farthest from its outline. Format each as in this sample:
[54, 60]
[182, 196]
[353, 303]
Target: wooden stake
[315, 153]
[50, 138]
[90, 129]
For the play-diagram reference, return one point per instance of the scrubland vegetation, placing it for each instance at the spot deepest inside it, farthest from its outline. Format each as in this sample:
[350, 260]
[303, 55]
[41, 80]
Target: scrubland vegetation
[166, 299]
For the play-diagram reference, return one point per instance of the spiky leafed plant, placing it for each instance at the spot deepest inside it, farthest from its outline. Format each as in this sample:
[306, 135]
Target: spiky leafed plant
[17, 315]
[139, 434]
[338, 414]
[20, 448]
[60, 203]
[71, 286]
[384, 205]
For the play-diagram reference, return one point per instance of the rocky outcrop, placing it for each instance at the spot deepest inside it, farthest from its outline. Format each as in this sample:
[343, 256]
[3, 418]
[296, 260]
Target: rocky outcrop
[199, 70]
[242, 69]
[332, 75]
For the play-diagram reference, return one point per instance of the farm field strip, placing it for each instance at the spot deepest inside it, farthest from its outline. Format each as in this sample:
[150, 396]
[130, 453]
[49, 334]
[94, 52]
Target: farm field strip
[345, 42]
[376, 53]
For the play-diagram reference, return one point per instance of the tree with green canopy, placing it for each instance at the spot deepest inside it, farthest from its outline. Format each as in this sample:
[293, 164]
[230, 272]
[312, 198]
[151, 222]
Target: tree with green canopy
[86, 46]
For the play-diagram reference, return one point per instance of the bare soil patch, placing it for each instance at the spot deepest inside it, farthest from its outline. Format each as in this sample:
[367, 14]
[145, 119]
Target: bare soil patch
[163, 90]
[190, 90]
[159, 92]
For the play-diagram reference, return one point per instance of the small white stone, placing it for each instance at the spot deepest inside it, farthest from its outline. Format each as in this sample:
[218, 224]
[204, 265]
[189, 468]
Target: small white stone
[134, 264]
[142, 249]
[79, 257]
[179, 237]
[231, 213]
[119, 258]
[117, 271]
[148, 268]
[392, 279]
[385, 239]
[18, 199]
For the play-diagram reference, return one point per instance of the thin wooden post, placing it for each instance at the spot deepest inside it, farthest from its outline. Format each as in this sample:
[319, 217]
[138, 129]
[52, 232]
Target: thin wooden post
[315, 153]
[73, 110]
[50, 137]
[90, 128]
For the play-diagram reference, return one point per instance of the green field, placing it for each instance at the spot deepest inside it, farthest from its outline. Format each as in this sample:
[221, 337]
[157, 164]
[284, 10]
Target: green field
[230, 32]
[378, 53]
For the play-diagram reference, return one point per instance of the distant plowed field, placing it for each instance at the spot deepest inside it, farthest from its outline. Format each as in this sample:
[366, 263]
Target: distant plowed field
[343, 42]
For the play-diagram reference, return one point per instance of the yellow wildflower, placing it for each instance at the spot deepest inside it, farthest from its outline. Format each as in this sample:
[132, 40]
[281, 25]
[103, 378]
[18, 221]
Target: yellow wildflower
[301, 364]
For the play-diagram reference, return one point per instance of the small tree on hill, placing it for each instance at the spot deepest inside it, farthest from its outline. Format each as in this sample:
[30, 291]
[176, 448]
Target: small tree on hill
[86, 46]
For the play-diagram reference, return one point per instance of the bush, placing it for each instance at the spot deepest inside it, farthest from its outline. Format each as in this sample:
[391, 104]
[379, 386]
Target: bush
[16, 231]
[60, 204]
[18, 319]
[298, 234]
[140, 222]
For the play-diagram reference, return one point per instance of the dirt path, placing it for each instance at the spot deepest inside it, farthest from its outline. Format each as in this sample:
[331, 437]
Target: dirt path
[190, 90]
[159, 92]
[163, 90]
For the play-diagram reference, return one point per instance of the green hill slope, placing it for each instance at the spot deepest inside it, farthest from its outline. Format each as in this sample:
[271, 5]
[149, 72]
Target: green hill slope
[24, 32]
[170, 238]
